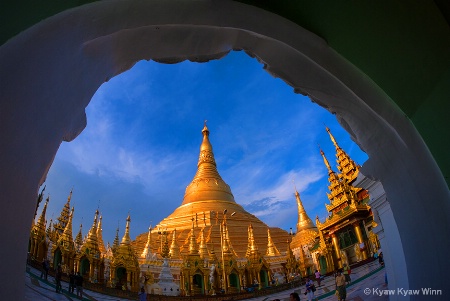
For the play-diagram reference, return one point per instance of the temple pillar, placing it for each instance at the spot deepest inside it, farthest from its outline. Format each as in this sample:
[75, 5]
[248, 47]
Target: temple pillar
[337, 250]
[191, 283]
[259, 278]
[359, 236]
[205, 284]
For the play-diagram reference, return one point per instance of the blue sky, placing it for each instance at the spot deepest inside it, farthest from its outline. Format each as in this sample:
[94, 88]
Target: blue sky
[140, 148]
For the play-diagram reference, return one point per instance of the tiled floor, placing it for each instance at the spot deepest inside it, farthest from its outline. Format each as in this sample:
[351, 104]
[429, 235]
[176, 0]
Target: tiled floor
[37, 289]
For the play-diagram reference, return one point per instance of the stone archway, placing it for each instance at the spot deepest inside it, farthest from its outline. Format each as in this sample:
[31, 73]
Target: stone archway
[79, 49]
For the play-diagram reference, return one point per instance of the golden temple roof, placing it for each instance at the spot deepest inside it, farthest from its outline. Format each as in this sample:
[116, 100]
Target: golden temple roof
[208, 196]
[304, 222]
[207, 183]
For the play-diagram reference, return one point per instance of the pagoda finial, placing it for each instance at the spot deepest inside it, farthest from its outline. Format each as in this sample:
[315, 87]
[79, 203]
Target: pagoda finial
[348, 168]
[147, 249]
[65, 239]
[304, 222]
[174, 249]
[252, 248]
[126, 237]
[101, 244]
[203, 249]
[116, 240]
[327, 164]
[79, 239]
[192, 241]
[40, 225]
[271, 248]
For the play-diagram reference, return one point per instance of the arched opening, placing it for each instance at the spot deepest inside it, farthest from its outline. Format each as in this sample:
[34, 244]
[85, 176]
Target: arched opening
[234, 281]
[264, 278]
[121, 278]
[199, 287]
[57, 258]
[366, 112]
[84, 267]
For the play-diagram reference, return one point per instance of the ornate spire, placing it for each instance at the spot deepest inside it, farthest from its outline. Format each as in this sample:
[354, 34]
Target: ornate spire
[79, 239]
[304, 222]
[91, 239]
[252, 248]
[207, 183]
[40, 225]
[226, 243]
[193, 250]
[126, 237]
[63, 217]
[116, 240]
[174, 248]
[348, 168]
[271, 248]
[203, 249]
[148, 246]
[49, 230]
[65, 239]
[101, 244]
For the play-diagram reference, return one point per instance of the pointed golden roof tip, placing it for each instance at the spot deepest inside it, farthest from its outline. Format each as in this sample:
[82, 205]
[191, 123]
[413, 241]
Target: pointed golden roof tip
[205, 129]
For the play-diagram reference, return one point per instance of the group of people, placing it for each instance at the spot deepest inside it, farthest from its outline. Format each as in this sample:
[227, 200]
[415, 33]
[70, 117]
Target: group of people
[75, 280]
[342, 277]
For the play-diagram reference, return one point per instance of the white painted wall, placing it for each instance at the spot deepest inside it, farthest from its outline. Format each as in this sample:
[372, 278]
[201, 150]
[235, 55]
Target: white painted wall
[50, 72]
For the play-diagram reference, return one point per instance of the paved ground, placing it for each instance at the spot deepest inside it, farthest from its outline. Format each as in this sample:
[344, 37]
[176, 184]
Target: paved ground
[355, 291]
[37, 289]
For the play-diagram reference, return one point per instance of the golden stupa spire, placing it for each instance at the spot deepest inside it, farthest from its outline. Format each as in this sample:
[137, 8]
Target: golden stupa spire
[79, 238]
[271, 248]
[203, 249]
[116, 239]
[327, 164]
[174, 248]
[40, 225]
[148, 246]
[348, 168]
[49, 229]
[193, 250]
[126, 237]
[92, 234]
[207, 183]
[252, 248]
[65, 239]
[101, 244]
[63, 217]
[303, 222]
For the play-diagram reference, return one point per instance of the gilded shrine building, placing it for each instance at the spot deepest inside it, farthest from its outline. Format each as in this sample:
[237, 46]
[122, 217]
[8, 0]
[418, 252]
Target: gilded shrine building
[345, 236]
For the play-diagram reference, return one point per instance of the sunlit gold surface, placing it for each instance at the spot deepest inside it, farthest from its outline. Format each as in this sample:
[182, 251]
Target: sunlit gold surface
[205, 199]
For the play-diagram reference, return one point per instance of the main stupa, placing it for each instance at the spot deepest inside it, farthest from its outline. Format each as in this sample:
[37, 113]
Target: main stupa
[206, 199]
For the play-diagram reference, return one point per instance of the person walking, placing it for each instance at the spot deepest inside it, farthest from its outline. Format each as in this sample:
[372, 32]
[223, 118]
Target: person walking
[71, 282]
[142, 295]
[318, 277]
[346, 273]
[45, 268]
[58, 275]
[340, 286]
[79, 284]
[310, 289]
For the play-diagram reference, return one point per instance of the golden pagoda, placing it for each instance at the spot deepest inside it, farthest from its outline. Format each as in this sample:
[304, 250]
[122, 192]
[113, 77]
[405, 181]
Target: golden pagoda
[88, 259]
[124, 264]
[304, 238]
[208, 196]
[38, 243]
